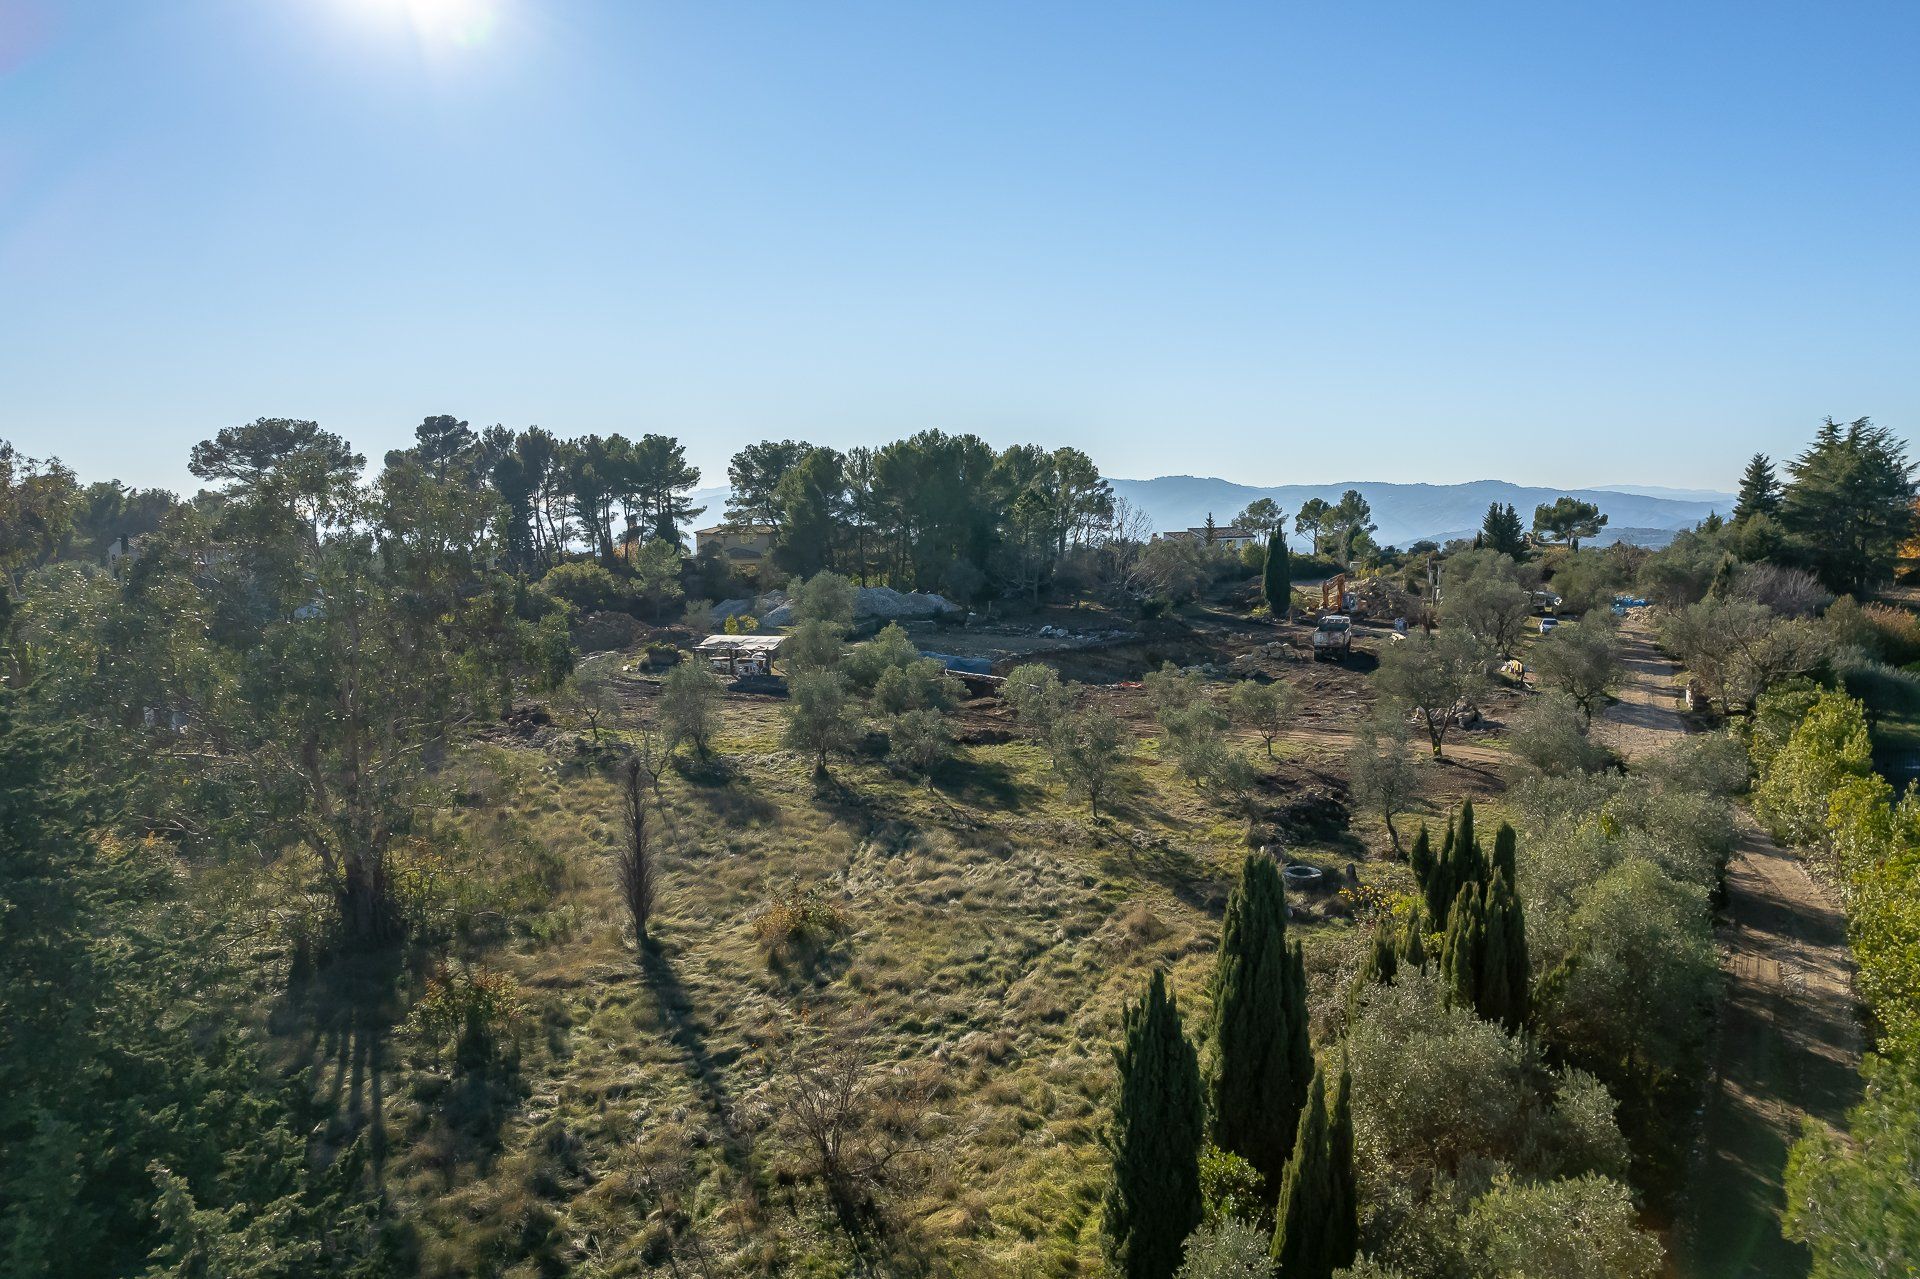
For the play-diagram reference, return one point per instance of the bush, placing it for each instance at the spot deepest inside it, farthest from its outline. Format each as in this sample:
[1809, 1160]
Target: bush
[1829, 744]
[797, 923]
[1437, 1090]
[1790, 592]
[1231, 1189]
[1549, 735]
[585, 586]
[1581, 1228]
[472, 1009]
[1229, 1249]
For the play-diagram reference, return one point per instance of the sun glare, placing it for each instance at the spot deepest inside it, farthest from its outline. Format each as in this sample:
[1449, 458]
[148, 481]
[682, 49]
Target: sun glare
[463, 23]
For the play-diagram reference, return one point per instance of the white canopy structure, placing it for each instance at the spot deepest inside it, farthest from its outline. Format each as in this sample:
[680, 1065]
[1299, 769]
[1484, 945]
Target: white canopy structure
[740, 654]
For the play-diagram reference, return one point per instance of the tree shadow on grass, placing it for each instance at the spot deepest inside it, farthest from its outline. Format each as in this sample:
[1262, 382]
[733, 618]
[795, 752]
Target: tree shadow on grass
[1176, 868]
[689, 1036]
[982, 783]
[341, 1014]
[726, 791]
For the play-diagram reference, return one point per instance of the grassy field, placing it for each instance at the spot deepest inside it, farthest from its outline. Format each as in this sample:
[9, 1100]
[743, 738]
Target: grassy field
[993, 932]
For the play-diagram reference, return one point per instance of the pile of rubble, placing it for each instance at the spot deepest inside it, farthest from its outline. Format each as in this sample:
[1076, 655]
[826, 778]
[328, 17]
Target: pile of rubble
[1379, 600]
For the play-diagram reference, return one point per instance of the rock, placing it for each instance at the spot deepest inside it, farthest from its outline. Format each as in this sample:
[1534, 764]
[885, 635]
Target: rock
[884, 602]
[731, 608]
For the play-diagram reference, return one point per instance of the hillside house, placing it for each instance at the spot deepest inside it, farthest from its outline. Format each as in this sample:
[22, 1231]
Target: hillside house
[1231, 538]
[741, 543]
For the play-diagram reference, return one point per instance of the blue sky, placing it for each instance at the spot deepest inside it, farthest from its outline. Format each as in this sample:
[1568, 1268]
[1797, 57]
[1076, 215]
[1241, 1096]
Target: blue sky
[1557, 244]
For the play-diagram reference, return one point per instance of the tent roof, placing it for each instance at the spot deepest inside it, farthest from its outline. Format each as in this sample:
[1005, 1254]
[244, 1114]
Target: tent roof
[768, 644]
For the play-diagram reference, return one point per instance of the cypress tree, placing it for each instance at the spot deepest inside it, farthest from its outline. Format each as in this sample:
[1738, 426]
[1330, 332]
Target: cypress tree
[1507, 917]
[1460, 952]
[1469, 863]
[1345, 1206]
[1383, 959]
[1420, 857]
[1255, 1080]
[1413, 943]
[1505, 846]
[1153, 1200]
[1438, 886]
[1299, 1048]
[1276, 582]
[1304, 1228]
[1493, 997]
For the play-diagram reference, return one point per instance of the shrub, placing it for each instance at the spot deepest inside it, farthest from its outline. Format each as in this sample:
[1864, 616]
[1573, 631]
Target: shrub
[798, 922]
[1580, 1228]
[472, 1009]
[1229, 1249]
[1549, 735]
[1830, 743]
[1231, 1190]
[585, 586]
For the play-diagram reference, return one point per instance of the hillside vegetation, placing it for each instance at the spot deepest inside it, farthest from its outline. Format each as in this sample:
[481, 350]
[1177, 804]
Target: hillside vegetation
[391, 888]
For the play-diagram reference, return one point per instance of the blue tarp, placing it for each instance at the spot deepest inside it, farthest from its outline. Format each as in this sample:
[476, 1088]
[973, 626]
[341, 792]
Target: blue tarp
[971, 665]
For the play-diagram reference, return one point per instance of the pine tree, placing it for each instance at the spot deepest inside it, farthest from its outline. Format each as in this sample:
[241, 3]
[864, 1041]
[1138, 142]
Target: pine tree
[1304, 1226]
[1255, 1082]
[1759, 490]
[1276, 582]
[1849, 508]
[1153, 1200]
[1502, 531]
[1345, 1199]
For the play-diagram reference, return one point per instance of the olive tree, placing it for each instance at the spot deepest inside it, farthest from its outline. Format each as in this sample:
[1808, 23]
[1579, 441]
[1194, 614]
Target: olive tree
[690, 706]
[1037, 697]
[1582, 660]
[1262, 709]
[1488, 595]
[1380, 772]
[820, 716]
[1089, 749]
[1434, 676]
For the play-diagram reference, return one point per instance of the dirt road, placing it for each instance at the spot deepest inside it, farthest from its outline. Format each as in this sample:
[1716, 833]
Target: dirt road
[1788, 1041]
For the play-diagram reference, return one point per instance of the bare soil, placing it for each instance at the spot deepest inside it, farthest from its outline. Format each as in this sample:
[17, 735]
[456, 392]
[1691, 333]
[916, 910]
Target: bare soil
[1787, 1045]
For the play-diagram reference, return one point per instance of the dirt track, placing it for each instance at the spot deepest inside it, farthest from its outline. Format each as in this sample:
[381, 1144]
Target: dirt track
[1788, 1041]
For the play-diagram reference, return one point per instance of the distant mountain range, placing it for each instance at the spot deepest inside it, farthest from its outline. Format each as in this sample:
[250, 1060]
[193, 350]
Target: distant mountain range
[1407, 513]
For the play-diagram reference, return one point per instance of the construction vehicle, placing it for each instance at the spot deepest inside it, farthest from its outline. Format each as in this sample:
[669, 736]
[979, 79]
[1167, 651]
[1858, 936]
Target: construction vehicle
[1333, 637]
[1333, 593]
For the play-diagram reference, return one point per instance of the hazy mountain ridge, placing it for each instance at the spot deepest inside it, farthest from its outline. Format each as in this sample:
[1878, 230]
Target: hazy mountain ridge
[1409, 512]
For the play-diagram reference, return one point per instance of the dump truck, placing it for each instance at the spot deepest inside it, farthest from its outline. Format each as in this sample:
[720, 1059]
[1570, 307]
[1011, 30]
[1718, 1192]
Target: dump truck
[1333, 637]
